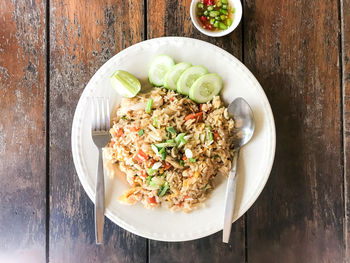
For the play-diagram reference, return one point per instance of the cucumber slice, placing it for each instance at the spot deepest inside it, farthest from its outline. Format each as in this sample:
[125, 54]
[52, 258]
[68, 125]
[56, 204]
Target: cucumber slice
[188, 77]
[174, 74]
[126, 84]
[159, 66]
[205, 88]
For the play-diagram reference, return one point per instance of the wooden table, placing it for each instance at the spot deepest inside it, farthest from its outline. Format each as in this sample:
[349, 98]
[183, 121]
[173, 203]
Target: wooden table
[298, 50]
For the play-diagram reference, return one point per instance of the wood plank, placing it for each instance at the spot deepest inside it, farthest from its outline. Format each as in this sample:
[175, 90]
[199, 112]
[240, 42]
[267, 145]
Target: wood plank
[22, 131]
[345, 32]
[82, 38]
[169, 18]
[292, 48]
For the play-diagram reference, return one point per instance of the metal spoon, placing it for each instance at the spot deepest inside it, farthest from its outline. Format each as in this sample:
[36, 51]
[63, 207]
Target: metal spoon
[240, 111]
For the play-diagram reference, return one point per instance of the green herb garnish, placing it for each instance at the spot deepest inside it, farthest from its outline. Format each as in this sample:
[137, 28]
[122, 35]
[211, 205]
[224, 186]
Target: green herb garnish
[163, 189]
[151, 171]
[171, 129]
[149, 178]
[141, 132]
[192, 160]
[182, 163]
[162, 153]
[155, 122]
[149, 106]
[211, 136]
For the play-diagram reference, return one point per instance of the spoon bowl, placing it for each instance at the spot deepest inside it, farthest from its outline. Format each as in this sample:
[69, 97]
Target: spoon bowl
[240, 111]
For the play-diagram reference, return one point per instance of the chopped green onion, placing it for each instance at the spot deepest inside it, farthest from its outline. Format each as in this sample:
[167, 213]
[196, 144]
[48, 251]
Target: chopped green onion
[233, 10]
[151, 171]
[161, 145]
[155, 122]
[216, 24]
[168, 143]
[153, 184]
[182, 163]
[200, 5]
[224, 1]
[206, 12]
[149, 106]
[163, 175]
[204, 187]
[163, 189]
[228, 22]
[212, 21]
[218, 4]
[208, 128]
[211, 136]
[149, 178]
[224, 6]
[162, 153]
[141, 132]
[210, 8]
[223, 17]
[170, 129]
[154, 148]
[192, 160]
[123, 117]
[180, 140]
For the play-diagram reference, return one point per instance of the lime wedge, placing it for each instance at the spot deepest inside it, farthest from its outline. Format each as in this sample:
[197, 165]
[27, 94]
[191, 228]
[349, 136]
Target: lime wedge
[126, 84]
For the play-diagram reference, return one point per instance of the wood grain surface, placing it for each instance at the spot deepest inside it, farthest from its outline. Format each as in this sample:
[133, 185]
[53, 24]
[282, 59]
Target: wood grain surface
[293, 49]
[171, 18]
[82, 38]
[345, 44]
[22, 131]
[299, 52]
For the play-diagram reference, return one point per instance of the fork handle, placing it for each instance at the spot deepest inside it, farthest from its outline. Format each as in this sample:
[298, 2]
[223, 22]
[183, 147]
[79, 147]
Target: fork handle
[99, 200]
[230, 200]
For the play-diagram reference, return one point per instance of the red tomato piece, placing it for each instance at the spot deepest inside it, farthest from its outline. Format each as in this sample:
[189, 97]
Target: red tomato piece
[152, 200]
[216, 135]
[166, 165]
[190, 116]
[120, 132]
[143, 173]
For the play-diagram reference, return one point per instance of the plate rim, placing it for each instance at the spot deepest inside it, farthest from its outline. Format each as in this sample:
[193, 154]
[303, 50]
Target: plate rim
[192, 235]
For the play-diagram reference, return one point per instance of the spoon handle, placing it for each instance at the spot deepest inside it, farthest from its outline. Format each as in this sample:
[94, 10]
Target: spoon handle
[230, 200]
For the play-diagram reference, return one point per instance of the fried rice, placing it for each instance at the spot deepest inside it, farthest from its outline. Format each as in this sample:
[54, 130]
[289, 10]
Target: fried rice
[171, 154]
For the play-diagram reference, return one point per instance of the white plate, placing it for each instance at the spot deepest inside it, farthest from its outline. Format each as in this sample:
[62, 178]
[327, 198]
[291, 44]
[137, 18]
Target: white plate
[255, 161]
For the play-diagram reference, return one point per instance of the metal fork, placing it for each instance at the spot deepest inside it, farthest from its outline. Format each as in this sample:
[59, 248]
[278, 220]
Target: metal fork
[100, 135]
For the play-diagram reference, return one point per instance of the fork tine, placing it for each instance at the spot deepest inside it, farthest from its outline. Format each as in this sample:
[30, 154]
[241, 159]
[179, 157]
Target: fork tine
[108, 118]
[102, 115]
[98, 115]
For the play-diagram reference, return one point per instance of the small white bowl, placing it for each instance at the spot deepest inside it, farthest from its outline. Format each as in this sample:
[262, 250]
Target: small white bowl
[236, 19]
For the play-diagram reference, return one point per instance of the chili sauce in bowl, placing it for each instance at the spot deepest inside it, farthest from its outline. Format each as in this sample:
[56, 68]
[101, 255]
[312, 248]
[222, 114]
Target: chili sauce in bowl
[216, 17]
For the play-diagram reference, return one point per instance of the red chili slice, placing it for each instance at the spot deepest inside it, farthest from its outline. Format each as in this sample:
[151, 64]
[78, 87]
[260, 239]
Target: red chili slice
[203, 19]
